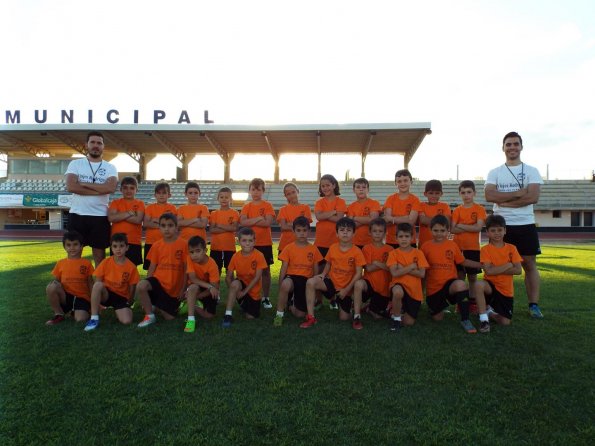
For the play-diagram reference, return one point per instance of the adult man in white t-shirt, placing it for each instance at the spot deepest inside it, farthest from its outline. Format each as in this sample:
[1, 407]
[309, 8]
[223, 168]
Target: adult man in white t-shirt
[91, 180]
[514, 188]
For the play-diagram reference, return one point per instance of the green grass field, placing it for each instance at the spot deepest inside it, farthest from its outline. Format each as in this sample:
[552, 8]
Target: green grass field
[530, 383]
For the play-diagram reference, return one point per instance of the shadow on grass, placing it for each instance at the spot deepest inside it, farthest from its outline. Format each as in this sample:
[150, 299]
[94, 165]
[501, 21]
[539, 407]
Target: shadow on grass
[566, 269]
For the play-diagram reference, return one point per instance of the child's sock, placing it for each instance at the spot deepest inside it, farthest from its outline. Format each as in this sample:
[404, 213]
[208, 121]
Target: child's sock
[95, 317]
[228, 312]
[356, 316]
[191, 318]
[483, 317]
[280, 313]
[396, 318]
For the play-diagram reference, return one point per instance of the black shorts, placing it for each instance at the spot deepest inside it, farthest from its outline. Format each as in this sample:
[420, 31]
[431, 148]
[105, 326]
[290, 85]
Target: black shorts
[297, 297]
[161, 299]
[440, 300]
[208, 303]
[134, 254]
[267, 252]
[378, 302]
[499, 302]
[331, 293]
[409, 305]
[146, 262]
[323, 252]
[525, 238]
[74, 303]
[470, 254]
[221, 258]
[115, 301]
[94, 229]
[249, 305]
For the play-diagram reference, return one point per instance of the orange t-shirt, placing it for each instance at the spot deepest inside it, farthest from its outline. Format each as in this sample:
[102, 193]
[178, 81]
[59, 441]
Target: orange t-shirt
[429, 210]
[188, 211]
[133, 231]
[207, 272]
[343, 264]
[468, 216]
[378, 279]
[363, 209]
[289, 213]
[300, 260]
[245, 268]
[443, 258]
[411, 284]
[261, 209]
[170, 260]
[154, 211]
[117, 278]
[326, 232]
[499, 256]
[225, 241]
[74, 275]
[399, 208]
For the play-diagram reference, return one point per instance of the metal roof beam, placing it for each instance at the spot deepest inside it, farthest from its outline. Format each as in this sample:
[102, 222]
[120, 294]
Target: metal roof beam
[121, 145]
[81, 148]
[409, 155]
[366, 149]
[217, 147]
[175, 150]
[272, 150]
[30, 148]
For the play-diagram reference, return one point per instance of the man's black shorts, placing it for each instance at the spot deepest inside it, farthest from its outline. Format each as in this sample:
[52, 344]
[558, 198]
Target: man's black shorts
[161, 299]
[470, 254]
[525, 238]
[94, 229]
[267, 252]
[221, 258]
[134, 254]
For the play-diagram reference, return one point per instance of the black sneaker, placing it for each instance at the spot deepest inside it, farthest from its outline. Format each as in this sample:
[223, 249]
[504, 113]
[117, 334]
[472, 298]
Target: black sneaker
[227, 321]
[484, 327]
[395, 325]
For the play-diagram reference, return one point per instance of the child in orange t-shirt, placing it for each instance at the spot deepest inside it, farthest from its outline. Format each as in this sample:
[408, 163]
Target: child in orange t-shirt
[289, 212]
[467, 222]
[374, 285]
[408, 267]
[259, 215]
[151, 220]
[402, 207]
[70, 291]
[223, 224]
[500, 262]
[193, 217]
[299, 263]
[244, 278]
[166, 279]
[126, 216]
[442, 285]
[344, 264]
[116, 280]
[362, 211]
[328, 210]
[203, 280]
[430, 208]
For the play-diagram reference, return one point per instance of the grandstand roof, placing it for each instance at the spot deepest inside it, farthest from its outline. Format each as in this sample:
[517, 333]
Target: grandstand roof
[63, 139]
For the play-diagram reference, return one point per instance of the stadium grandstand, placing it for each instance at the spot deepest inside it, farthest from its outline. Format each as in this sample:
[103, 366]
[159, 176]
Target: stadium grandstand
[34, 196]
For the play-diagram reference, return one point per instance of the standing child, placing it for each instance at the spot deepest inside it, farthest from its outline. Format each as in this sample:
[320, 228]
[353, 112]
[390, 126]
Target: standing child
[203, 279]
[442, 284]
[299, 263]
[152, 214]
[126, 216]
[288, 213]
[467, 222]
[164, 286]
[431, 208]
[362, 211]
[244, 278]
[70, 291]
[193, 217]
[259, 215]
[116, 278]
[402, 207]
[408, 267]
[223, 224]
[374, 285]
[344, 263]
[500, 262]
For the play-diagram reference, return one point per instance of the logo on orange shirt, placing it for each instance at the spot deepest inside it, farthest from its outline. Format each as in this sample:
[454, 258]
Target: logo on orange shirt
[253, 265]
[230, 221]
[440, 211]
[351, 261]
[178, 254]
[384, 257]
[408, 208]
[125, 277]
[510, 257]
[83, 269]
[261, 212]
[449, 254]
[310, 257]
[366, 211]
[474, 217]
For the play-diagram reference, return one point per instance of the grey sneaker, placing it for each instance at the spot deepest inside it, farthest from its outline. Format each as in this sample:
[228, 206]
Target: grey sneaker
[484, 327]
[535, 312]
[266, 303]
[468, 326]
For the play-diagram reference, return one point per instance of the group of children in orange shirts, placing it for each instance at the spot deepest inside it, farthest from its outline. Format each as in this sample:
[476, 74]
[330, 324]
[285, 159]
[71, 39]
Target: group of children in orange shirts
[364, 258]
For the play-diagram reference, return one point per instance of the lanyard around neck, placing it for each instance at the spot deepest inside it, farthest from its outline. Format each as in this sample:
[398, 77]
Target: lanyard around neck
[94, 172]
[521, 184]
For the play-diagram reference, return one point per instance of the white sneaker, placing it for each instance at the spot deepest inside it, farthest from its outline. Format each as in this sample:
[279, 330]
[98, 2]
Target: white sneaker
[266, 303]
[148, 320]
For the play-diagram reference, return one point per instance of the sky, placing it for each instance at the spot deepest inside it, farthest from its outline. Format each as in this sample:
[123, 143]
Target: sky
[474, 69]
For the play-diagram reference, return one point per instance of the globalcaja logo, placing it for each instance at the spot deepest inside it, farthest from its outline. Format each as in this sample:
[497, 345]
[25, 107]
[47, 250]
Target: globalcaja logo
[351, 261]
[253, 265]
[449, 254]
[310, 257]
[83, 270]
[178, 254]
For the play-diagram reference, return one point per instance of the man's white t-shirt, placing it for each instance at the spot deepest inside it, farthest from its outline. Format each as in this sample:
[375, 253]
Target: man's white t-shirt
[86, 171]
[511, 179]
